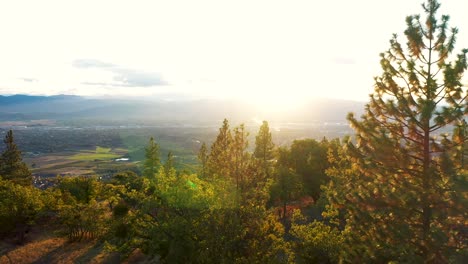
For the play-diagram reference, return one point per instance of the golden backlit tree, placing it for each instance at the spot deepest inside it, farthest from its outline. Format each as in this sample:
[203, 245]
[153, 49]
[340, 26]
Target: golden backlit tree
[400, 200]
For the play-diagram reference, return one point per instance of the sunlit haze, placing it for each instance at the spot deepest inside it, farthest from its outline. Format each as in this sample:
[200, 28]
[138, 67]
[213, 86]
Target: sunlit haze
[273, 53]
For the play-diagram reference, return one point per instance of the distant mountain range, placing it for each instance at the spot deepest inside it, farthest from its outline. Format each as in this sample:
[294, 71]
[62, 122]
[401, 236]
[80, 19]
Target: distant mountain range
[68, 107]
[27, 99]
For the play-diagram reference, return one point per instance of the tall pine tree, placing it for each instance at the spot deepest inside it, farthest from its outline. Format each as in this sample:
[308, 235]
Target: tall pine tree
[264, 148]
[203, 158]
[399, 197]
[12, 166]
[239, 156]
[219, 160]
[169, 164]
[152, 159]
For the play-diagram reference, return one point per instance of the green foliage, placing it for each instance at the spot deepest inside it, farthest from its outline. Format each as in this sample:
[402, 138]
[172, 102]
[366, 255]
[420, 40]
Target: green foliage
[128, 188]
[81, 188]
[169, 164]
[52, 199]
[396, 183]
[152, 160]
[397, 192]
[12, 166]
[130, 181]
[308, 158]
[82, 211]
[219, 159]
[203, 159]
[83, 220]
[288, 185]
[20, 206]
[239, 156]
[459, 154]
[245, 230]
[127, 228]
[184, 218]
[315, 242]
[244, 235]
[121, 209]
[207, 223]
[168, 221]
[264, 148]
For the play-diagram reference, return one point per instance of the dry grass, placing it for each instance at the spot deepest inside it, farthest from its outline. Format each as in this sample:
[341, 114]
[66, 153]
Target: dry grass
[44, 246]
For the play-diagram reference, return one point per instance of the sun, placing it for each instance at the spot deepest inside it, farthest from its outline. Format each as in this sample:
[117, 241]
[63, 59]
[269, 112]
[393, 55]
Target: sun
[278, 102]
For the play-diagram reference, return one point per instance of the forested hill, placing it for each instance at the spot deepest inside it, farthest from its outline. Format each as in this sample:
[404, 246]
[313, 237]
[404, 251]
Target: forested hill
[25, 107]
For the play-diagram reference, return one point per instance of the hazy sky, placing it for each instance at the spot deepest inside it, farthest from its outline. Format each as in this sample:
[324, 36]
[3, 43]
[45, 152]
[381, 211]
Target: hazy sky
[288, 49]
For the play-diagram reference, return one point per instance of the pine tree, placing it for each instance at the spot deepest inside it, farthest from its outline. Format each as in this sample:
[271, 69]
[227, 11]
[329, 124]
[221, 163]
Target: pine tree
[12, 166]
[219, 160]
[239, 155]
[264, 148]
[169, 164]
[152, 160]
[203, 158]
[309, 159]
[288, 185]
[460, 141]
[397, 193]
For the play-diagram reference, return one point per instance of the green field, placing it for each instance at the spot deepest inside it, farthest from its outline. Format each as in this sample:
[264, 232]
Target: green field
[99, 154]
[101, 150]
[94, 156]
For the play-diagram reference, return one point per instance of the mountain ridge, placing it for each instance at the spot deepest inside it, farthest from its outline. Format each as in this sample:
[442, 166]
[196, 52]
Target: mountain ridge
[65, 107]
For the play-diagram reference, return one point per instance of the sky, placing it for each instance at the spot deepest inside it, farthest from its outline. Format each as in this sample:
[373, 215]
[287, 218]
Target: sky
[263, 51]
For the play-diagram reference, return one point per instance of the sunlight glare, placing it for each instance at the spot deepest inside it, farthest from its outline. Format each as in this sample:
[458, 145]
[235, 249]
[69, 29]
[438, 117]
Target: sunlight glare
[278, 102]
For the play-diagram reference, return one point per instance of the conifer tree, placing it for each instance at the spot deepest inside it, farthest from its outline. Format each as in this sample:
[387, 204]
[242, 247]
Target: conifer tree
[264, 148]
[12, 166]
[288, 185]
[152, 160]
[309, 159]
[239, 155]
[169, 164]
[203, 158]
[219, 159]
[398, 196]
[460, 141]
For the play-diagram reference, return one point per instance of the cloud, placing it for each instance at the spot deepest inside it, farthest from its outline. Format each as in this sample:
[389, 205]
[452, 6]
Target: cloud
[28, 80]
[123, 77]
[131, 78]
[344, 60]
[99, 84]
[86, 64]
